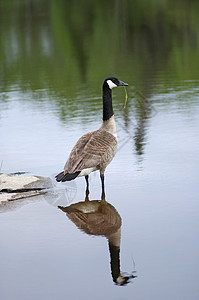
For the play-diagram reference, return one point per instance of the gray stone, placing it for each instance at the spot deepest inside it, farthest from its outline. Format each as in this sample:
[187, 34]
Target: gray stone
[15, 187]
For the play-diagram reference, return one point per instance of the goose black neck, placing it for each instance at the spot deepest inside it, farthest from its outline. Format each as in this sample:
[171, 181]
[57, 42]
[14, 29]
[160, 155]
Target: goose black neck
[107, 102]
[115, 261]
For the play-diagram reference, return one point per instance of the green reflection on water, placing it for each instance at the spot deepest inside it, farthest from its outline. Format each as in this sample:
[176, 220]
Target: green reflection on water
[59, 51]
[55, 45]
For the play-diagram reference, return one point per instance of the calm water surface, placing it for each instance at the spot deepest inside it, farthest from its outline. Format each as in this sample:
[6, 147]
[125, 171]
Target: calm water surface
[152, 181]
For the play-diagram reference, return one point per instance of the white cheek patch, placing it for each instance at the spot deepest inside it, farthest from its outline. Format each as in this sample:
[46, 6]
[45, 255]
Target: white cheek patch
[111, 84]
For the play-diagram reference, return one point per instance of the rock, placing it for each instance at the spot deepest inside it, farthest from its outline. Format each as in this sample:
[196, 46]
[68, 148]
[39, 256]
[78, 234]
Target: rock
[17, 186]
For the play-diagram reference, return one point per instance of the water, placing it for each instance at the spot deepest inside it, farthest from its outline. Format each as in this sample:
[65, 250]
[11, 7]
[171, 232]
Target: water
[50, 89]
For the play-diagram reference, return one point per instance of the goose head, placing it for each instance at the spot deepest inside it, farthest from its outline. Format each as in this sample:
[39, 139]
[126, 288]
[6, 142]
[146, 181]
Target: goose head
[112, 82]
[123, 280]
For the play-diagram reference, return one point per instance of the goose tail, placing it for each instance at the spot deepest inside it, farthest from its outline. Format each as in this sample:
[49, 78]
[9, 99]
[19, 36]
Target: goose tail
[66, 177]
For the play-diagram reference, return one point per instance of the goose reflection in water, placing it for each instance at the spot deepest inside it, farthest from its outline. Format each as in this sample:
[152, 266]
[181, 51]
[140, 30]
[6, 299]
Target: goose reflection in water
[97, 217]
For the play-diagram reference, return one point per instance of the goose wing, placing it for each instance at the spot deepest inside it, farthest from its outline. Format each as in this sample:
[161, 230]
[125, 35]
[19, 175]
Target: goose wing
[91, 150]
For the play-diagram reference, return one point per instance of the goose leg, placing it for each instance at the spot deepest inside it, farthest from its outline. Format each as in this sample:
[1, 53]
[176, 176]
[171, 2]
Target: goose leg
[103, 189]
[87, 187]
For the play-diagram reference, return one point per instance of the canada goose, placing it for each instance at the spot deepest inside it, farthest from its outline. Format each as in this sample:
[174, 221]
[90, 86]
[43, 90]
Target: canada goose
[97, 217]
[95, 150]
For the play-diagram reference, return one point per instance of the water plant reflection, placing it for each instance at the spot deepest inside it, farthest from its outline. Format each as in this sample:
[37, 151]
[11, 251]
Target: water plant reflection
[100, 218]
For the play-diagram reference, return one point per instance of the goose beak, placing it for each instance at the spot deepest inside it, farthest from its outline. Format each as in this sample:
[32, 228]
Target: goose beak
[121, 83]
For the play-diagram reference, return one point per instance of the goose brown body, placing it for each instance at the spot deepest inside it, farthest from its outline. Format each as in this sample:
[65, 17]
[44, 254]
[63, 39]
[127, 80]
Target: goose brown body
[93, 150]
